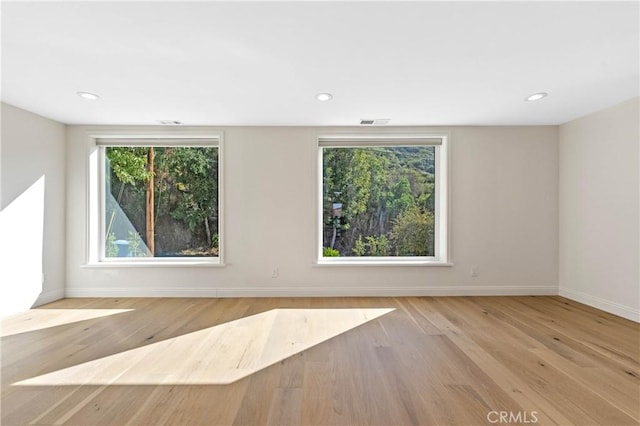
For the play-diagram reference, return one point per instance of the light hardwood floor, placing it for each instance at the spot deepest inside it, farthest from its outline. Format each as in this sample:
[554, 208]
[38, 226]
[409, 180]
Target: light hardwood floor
[320, 361]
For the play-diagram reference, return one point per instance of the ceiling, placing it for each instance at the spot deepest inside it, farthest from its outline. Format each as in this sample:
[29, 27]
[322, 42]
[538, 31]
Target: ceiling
[242, 63]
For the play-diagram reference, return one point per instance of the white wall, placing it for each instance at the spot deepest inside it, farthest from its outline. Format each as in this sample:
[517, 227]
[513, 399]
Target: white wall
[599, 214]
[503, 219]
[32, 200]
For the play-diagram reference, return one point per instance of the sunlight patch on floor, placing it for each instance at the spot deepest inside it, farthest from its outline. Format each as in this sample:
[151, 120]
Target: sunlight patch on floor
[220, 354]
[38, 319]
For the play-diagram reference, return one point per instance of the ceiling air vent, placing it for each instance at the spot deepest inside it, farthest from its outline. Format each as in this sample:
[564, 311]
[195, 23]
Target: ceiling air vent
[375, 121]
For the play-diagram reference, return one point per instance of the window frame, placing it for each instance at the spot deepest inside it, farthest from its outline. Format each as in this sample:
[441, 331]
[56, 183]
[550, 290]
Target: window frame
[97, 195]
[441, 204]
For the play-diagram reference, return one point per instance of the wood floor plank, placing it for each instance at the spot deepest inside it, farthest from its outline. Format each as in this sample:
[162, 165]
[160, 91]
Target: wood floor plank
[383, 361]
[286, 407]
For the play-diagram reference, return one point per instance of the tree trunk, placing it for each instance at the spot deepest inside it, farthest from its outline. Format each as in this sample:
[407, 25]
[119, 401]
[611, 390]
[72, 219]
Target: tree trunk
[150, 210]
[207, 230]
[333, 236]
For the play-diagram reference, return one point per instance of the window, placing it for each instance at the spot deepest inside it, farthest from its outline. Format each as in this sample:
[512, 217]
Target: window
[157, 200]
[382, 200]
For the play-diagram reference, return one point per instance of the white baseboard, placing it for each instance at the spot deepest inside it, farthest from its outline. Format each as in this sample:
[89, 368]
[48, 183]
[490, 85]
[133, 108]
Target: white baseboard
[386, 291]
[141, 292]
[315, 291]
[49, 296]
[602, 304]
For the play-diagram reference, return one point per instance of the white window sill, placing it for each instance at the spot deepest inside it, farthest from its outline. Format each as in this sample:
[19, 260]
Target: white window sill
[187, 263]
[352, 263]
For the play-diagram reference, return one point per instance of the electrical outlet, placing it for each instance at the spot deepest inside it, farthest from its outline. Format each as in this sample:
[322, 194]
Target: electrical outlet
[474, 271]
[275, 272]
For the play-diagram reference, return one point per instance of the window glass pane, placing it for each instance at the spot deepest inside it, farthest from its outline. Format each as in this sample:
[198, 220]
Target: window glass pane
[161, 202]
[379, 201]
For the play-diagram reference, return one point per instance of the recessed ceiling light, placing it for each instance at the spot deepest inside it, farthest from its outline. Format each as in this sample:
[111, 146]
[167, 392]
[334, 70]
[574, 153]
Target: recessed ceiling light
[88, 96]
[536, 96]
[324, 97]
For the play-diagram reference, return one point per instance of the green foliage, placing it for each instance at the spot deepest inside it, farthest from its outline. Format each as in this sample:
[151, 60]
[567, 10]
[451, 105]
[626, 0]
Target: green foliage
[111, 249]
[413, 232]
[348, 176]
[329, 252]
[360, 248]
[376, 187]
[129, 164]
[195, 173]
[372, 246]
[378, 246]
[185, 190]
[402, 199]
[134, 245]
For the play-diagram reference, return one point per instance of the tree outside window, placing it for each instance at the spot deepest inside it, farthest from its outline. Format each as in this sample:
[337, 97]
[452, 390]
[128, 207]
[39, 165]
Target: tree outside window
[161, 201]
[386, 197]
